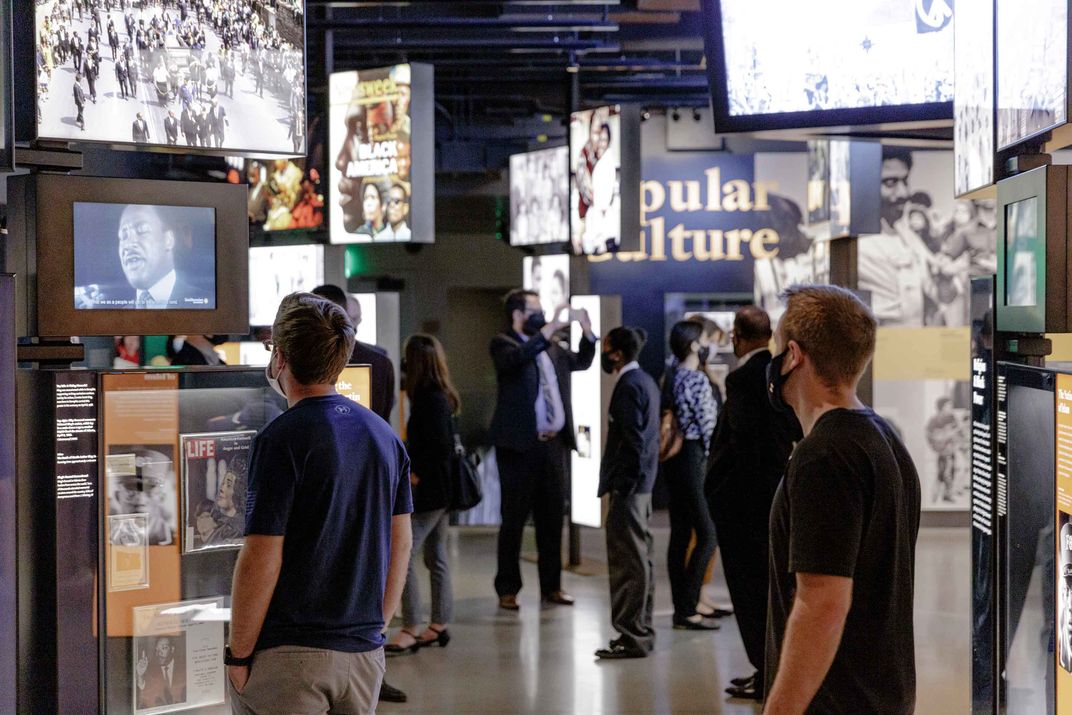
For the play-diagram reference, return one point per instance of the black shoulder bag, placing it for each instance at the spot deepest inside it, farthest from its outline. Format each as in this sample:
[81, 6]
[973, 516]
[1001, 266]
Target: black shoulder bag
[465, 489]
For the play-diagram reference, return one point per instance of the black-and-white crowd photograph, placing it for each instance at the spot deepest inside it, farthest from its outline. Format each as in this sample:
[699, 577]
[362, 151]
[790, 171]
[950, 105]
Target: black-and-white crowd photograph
[539, 197]
[973, 105]
[1033, 68]
[197, 74]
[918, 268]
[885, 53]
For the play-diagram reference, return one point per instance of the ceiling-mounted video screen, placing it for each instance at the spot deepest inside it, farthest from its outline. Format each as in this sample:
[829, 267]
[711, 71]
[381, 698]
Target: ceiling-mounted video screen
[1032, 68]
[277, 271]
[200, 77]
[539, 197]
[973, 105]
[284, 194]
[604, 157]
[382, 154]
[785, 64]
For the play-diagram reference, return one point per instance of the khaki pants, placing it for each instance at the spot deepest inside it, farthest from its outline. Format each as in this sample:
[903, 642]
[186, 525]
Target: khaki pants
[292, 680]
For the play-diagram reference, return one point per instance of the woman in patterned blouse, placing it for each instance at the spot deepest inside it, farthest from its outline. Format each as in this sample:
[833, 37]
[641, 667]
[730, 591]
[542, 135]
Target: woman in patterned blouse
[690, 397]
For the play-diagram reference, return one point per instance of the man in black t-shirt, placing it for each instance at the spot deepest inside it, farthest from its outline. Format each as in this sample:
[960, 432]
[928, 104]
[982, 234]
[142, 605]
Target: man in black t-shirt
[843, 524]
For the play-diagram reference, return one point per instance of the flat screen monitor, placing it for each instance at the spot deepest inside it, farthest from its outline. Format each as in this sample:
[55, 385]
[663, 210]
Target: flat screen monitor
[973, 105]
[277, 271]
[828, 62]
[382, 155]
[284, 194]
[1032, 243]
[548, 277]
[539, 197]
[195, 77]
[166, 258]
[134, 257]
[604, 164]
[1032, 68]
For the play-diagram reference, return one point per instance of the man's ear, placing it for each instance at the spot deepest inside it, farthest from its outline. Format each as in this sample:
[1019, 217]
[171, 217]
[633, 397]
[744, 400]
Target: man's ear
[796, 355]
[169, 240]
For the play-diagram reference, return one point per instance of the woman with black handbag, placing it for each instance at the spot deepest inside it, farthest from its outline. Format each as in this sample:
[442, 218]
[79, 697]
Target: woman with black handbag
[431, 443]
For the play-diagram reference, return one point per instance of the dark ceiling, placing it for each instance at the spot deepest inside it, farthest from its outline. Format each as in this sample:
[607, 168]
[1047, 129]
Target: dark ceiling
[505, 71]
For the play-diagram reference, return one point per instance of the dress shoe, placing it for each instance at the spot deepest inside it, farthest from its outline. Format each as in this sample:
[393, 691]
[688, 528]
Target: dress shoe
[508, 603]
[618, 651]
[715, 612]
[442, 638]
[745, 692]
[391, 695]
[560, 598]
[698, 624]
[741, 682]
[394, 649]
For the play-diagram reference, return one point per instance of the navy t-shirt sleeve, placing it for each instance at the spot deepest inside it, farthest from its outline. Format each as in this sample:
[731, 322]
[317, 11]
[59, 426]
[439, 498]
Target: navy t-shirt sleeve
[273, 481]
[826, 513]
[403, 494]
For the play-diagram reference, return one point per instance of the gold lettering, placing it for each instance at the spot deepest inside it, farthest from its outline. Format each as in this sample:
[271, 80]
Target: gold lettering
[699, 245]
[677, 243]
[761, 189]
[652, 197]
[657, 237]
[716, 242]
[678, 202]
[733, 243]
[764, 237]
[737, 196]
[714, 183]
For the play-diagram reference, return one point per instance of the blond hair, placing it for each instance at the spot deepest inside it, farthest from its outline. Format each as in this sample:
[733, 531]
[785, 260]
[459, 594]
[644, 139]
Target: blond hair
[833, 327]
[315, 337]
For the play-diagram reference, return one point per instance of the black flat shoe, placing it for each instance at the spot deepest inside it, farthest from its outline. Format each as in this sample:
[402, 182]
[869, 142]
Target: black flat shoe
[715, 612]
[393, 649]
[442, 638]
[391, 695]
[747, 692]
[704, 624]
[742, 682]
[619, 652]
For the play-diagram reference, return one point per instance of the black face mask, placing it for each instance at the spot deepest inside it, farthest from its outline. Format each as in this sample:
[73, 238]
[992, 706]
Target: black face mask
[705, 352]
[776, 381]
[534, 324]
[607, 363]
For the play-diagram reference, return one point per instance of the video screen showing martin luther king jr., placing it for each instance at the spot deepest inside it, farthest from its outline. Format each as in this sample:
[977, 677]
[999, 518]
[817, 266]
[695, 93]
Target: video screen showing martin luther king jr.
[143, 256]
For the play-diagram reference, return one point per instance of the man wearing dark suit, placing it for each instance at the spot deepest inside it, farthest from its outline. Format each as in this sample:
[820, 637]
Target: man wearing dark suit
[382, 387]
[113, 39]
[121, 76]
[189, 126]
[140, 130]
[749, 453]
[79, 101]
[532, 430]
[627, 474]
[161, 677]
[171, 128]
[92, 70]
[217, 120]
[147, 241]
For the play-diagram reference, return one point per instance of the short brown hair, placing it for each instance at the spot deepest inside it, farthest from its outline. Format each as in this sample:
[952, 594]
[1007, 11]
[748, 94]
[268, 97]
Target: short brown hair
[315, 337]
[833, 327]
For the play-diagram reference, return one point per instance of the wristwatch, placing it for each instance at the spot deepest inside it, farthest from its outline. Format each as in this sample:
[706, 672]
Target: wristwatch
[230, 658]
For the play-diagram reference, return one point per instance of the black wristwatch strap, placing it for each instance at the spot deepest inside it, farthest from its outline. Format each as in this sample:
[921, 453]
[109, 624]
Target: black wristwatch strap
[229, 658]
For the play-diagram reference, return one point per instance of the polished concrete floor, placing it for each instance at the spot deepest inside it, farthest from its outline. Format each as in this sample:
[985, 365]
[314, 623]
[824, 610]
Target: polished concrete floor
[540, 660]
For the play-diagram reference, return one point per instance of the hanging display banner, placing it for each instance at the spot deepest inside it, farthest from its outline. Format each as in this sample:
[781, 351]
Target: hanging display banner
[1063, 526]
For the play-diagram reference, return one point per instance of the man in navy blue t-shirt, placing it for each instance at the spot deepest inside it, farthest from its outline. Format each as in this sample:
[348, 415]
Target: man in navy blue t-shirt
[327, 532]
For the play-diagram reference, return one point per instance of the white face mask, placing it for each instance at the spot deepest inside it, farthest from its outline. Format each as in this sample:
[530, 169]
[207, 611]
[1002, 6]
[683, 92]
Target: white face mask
[273, 381]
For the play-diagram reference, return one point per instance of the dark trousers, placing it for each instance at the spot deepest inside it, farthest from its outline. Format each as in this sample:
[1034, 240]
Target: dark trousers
[629, 562]
[685, 476]
[744, 545]
[533, 482]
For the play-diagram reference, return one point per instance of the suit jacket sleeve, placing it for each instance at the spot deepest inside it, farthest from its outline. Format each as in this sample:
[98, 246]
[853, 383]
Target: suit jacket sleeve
[627, 413]
[511, 356]
[582, 359]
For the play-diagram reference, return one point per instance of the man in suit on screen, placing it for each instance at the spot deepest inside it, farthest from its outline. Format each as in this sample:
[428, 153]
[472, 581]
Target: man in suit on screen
[147, 243]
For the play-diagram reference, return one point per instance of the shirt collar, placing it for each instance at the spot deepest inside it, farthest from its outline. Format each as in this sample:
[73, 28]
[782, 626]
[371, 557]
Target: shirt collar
[629, 367]
[749, 355]
[161, 290]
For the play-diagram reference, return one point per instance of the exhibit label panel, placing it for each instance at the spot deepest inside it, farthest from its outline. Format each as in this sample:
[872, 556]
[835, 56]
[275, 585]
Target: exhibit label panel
[1063, 527]
[589, 417]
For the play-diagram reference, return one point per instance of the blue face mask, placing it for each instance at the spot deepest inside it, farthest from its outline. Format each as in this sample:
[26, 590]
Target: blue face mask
[776, 381]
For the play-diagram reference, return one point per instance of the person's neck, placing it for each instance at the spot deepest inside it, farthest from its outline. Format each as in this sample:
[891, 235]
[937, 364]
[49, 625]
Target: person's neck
[822, 400]
[297, 392]
[692, 362]
[519, 328]
[746, 348]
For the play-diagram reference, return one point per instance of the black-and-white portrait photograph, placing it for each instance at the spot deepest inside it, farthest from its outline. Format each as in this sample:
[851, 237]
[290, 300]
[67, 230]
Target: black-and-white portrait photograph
[885, 54]
[160, 672]
[278, 271]
[1032, 61]
[973, 104]
[548, 276]
[1064, 590]
[144, 257]
[939, 442]
[539, 197]
[141, 480]
[918, 269]
[196, 74]
[1022, 246]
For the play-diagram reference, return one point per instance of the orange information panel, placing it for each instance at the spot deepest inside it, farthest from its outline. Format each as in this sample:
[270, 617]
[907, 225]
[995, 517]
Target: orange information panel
[1063, 528]
[355, 383]
[141, 435]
